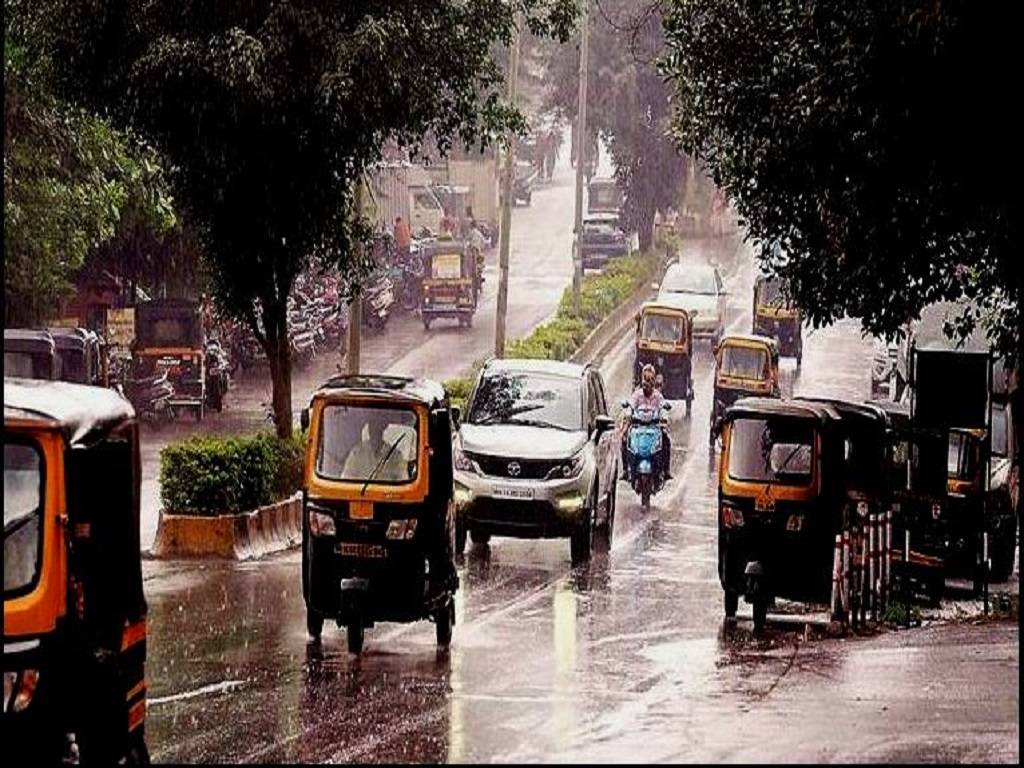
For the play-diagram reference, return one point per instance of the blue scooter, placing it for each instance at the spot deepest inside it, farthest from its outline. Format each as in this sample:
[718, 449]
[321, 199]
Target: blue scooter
[643, 449]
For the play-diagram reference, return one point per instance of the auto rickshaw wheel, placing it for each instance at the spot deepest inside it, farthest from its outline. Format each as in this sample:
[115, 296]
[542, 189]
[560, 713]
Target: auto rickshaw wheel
[443, 622]
[760, 614]
[460, 537]
[480, 538]
[355, 632]
[138, 754]
[314, 623]
[580, 540]
[426, 323]
[732, 603]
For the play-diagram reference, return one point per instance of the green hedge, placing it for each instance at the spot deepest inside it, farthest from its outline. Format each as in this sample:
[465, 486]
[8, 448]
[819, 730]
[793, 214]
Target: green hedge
[559, 338]
[227, 475]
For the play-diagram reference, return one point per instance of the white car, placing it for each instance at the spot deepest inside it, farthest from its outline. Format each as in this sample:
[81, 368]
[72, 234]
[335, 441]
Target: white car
[698, 289]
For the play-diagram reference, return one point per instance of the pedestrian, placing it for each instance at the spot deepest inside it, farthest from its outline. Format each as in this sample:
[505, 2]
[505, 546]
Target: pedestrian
[403, 237]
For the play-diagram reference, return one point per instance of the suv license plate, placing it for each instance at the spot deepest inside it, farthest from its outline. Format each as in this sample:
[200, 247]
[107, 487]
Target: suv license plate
[511, 492]
[354, 549]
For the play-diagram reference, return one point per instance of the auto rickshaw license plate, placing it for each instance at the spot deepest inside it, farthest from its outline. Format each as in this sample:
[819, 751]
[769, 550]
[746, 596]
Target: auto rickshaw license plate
[764, 504]
[358, 549]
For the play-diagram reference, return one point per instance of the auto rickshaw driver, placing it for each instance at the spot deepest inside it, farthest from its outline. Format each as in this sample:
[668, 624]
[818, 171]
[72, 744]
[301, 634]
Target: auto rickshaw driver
[647, 395]
[372, 457]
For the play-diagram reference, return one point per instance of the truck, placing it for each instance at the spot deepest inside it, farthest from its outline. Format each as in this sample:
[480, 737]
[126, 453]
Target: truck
[403, 189]
[478, 172]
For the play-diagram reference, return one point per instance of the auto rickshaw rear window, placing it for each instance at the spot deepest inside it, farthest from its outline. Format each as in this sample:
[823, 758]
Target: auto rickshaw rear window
[777, 451]
[24, 485]
[19, 364]
[1000, 430]
[744, 362]
[960, 460]
[170, 331]
[368, 443]
[667, 328]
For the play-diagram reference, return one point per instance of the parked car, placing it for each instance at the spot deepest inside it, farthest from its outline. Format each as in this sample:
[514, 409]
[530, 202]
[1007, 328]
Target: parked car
[536, 456]
[698, 289]
[602, 239]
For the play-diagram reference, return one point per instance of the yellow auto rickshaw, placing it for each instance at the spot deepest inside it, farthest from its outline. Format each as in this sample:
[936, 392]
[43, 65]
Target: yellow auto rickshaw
[781, 496]
[745, 366]
[664, 339]
[775, 316]
[450, 286]
[378, 532]
[74, 611]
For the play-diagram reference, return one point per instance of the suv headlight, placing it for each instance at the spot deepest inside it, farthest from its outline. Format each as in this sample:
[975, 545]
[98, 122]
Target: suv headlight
[462, 462]
[567, 469]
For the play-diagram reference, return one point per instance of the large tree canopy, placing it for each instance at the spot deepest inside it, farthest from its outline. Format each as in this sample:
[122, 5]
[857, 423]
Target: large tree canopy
[628, 103]
[272, 110]
[873, 141]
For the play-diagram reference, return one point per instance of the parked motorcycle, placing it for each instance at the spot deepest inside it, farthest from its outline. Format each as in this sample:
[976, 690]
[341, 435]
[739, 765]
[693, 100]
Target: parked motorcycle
[378, 298]
[151, 397]
[643, 451]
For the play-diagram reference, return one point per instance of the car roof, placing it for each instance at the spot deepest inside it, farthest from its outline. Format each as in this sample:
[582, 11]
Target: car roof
[773, 406]
[405, 387]
[528, 365]
[82, 413]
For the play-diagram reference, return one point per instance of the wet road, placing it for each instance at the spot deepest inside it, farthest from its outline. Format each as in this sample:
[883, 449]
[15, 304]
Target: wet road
[625, 659]
[540, 267]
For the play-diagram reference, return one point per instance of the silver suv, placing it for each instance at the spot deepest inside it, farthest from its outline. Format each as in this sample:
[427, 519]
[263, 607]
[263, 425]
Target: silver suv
[536, 456]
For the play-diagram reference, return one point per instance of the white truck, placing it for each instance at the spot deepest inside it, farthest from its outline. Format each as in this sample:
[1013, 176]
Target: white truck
[403, 189]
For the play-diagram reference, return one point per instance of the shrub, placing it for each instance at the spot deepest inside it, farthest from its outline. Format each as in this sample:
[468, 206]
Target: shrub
[227, 475]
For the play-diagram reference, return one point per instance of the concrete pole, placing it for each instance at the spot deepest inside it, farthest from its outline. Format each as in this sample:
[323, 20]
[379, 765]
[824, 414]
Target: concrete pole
[505, 233]
[355, 310]
[581, 154]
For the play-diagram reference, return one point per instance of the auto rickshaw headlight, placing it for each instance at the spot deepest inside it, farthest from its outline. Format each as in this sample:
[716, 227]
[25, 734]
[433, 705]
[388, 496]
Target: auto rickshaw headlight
[862, 508]
[731, 516]
[321, 524]
[19, 688]
[402, 529]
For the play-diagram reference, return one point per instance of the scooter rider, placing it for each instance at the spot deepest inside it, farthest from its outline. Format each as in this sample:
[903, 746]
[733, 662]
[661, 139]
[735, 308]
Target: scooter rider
[647, 396]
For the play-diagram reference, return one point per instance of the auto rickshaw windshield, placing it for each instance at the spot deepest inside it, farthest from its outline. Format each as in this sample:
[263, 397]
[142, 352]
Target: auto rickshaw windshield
[960, 460]
[744, 362]
[23, 501]
[368, 443]
[666, 328]
[777, 451]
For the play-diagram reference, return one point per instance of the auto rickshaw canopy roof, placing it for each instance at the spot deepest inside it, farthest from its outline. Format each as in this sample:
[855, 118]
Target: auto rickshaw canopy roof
[867, 411]
[73, 338]
[750, 340]
[29, 340]
[425, 391]
[758, 407]
[660, 307]
[82, 413]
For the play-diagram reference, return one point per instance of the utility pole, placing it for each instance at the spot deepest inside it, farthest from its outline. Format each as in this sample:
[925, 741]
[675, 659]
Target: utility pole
[355, 307]
[581, 155]
[506, 204]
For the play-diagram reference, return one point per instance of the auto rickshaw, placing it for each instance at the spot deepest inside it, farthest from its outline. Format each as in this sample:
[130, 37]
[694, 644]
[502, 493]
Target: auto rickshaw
[378, 531]
[780, 499]
[775, 316]
[30, 353]
[169, 337]
[915, 484]
[745, 366]
[449, 282]
[82, 356]
[664, 339]
[74, 610]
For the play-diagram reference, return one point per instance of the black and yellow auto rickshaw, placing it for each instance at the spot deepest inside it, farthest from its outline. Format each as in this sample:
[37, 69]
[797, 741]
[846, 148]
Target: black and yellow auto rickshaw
[74, 611]
[664, 339]
[775, 316]
[745, 366]
[449, 282]
[915, 484]
[379, 520]
[30, 353]
[780, 502]
[81, 356]
[169, 338]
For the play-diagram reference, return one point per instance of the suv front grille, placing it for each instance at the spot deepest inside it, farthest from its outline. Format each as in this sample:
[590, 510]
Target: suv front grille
[498, 466]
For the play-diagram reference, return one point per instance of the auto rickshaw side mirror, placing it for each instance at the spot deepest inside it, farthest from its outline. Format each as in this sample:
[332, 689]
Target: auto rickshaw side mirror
[456, 417]
[304, 419]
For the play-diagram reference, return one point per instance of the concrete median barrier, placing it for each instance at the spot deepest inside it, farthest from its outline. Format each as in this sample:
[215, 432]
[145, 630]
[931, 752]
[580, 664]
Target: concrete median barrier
[244, 536]
[610, 330]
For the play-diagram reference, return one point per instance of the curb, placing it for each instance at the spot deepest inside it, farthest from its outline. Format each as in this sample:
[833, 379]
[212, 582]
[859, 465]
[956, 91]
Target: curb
[245, 536]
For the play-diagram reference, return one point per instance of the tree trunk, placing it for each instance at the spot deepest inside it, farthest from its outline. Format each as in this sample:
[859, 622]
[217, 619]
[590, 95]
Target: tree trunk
[645, 228]
[279, 357]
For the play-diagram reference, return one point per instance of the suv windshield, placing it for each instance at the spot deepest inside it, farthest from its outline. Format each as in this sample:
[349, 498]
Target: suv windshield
[689, 280]
[745, 362]
[779, 451]
[360, 443]
[530, 399]
[662, 327]
[23, 501]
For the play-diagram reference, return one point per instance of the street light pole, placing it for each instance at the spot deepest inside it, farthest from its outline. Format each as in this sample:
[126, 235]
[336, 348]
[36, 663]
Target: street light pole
[355, 310]
[506, 206]
[581, 154]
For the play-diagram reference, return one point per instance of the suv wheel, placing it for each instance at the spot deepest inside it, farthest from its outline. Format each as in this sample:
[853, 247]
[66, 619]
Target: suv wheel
[480, 538]
[581, 539]
[460, 537]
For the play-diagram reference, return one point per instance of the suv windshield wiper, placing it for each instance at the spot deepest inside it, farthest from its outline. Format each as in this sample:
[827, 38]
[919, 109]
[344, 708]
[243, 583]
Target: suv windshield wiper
[537, 423]
[492, 418]
[380, 463]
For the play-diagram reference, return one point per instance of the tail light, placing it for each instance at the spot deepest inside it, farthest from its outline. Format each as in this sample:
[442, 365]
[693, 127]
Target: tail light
[731, 517]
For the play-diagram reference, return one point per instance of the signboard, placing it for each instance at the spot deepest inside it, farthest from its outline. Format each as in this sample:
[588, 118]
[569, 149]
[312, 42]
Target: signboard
[120, 327]
[950, 388]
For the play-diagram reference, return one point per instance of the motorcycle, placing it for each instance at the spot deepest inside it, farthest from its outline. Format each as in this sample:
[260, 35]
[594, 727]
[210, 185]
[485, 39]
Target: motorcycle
[151, 397]
[378, 298]
[643, 450]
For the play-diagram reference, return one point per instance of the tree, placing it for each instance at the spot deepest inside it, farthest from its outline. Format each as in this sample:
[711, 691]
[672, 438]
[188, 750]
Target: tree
[629, 104]
[272, 110]
[872, 141]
